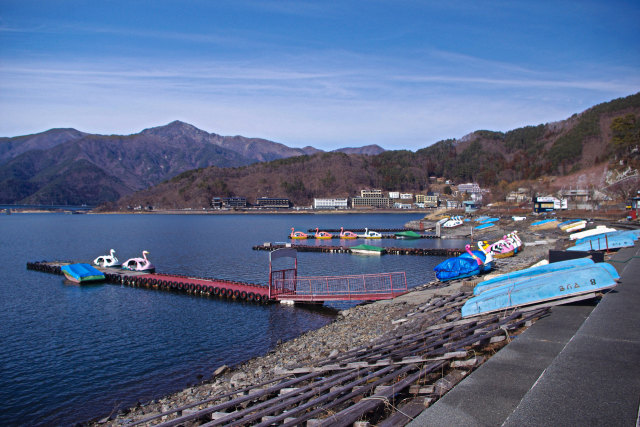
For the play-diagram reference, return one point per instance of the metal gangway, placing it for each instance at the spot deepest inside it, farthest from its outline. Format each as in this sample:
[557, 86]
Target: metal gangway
[286, 285]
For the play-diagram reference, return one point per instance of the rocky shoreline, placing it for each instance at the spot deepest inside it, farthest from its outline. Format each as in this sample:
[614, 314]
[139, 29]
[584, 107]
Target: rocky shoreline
[357, 326]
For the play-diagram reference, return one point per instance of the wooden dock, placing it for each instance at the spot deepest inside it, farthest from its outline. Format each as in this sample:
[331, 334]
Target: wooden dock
[449, 252]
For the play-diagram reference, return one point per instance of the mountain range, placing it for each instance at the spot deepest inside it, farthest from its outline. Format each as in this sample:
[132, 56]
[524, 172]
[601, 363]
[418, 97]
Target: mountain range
[604, 139]
[66, 166]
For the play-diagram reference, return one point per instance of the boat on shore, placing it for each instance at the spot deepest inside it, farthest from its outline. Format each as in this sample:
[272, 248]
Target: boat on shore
[544, 224]
[515, 276]
[454, 221]
[542, 288]
[364, 249]
[600, 229]
[468, 264]
[82, 273]
[604, 243]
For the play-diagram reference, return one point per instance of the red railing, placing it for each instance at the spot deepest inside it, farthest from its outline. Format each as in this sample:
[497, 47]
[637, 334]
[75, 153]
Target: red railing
[339, 288]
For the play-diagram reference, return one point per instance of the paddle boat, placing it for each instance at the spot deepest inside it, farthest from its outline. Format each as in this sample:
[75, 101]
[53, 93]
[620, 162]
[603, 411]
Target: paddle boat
[454, 221]
[82, 273]
[600, 229]
[499, 249]
[515, 276]
[468, 264]
[139, 264]
[107, 260]
[367, 250]
[297, 234]
[408, 234]
[544, 287]
[323, 235]
[347, 234]
[370, 234]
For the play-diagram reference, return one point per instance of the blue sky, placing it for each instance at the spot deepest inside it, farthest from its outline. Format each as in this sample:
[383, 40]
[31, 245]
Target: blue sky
[401, 74]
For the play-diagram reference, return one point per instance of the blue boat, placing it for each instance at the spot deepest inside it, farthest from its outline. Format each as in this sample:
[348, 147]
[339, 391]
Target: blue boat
[515, 276]
[82, 273]
[544, 287]
[462, 266]
[487, 220]
[634, 234]
[604, 243]
[481, 218]
[484, 226]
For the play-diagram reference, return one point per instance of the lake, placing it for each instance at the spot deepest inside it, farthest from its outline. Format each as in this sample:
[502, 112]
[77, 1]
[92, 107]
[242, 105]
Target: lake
[72, 353]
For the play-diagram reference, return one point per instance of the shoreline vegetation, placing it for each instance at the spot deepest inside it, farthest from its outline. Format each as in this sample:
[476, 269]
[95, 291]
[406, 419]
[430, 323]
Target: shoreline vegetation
[361, 326]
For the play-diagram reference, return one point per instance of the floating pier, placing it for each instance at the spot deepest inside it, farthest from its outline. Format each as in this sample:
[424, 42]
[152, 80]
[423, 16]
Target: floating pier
[284, 285]
[450, 252]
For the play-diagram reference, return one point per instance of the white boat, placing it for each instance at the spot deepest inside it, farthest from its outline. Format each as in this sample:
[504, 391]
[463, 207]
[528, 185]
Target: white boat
[367, 250]
[370, 234]
[107, 260]
[591, 232]
[452, 222]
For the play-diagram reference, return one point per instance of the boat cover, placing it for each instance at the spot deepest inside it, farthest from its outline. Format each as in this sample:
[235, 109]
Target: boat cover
[82, 272]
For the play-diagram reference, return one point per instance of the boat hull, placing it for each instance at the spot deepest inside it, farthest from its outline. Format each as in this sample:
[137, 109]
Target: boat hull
[604, 243]
[82, 273]
[546, 287]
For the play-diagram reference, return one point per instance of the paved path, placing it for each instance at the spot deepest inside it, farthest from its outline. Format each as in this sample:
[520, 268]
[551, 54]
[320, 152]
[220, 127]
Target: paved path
[578, 366]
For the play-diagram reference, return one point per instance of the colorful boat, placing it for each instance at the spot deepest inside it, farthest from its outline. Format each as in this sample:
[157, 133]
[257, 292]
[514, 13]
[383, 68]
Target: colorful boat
[600, 229]
[408, 234]
[367, 250]
[604, 243]
[575, 227]
[500, 249]
[347, 234]
[107, 260]
[139, 264]
[541, 288]
[82, 273]
[454, 221]
[370, 234]
[323, 235]
[515, 276]
[297, 234]
[465, 265]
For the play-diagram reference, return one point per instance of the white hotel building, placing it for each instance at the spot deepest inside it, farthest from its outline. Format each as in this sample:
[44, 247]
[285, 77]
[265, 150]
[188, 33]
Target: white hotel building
[340, 203]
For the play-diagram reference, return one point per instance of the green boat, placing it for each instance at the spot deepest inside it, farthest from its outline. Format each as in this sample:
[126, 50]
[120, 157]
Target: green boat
[367, 250]
[408, 235]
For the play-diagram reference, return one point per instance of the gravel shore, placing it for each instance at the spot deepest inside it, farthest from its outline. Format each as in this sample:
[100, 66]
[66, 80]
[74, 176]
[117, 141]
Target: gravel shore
[352, 328]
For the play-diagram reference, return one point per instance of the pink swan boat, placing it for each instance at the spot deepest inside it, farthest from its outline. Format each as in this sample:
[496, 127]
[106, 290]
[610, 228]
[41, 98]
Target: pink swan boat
[139, 264]
[297, 234]
[323, 235]
[347, 234]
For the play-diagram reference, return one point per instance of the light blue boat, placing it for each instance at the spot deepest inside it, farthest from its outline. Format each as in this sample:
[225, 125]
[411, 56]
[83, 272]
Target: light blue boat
[487, 220]
[515, 276]
[484, 226]
[634, 234]
[541, 222]
[545, 287]
[603, 243]
[481, 218]
[81, 273]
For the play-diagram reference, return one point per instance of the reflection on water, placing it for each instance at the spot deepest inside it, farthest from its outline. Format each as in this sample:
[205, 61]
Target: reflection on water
[73, 352]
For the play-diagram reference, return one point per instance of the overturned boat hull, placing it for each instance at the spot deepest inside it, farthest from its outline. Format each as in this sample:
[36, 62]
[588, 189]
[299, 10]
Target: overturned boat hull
[542, 288]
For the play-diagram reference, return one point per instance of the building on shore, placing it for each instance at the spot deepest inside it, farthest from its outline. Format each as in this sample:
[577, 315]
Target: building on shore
[273, 203]
[229, 202]
[335, 203]
[371, 199]
[548, 204]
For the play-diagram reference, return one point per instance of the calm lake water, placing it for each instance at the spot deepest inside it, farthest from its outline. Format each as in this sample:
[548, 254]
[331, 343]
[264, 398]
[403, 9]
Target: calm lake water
[71, 353]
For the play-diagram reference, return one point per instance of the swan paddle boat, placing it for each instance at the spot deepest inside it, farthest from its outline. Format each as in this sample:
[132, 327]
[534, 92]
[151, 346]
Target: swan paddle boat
[454, 221]
[347, 234]
[370, 234]
[139, 264]
[322, 235]
[500, 249]
[107, 260]
[82, 273]
[297, 234]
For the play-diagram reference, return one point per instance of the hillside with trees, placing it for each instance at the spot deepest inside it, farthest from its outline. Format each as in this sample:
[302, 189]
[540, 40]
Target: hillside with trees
[607, 134]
